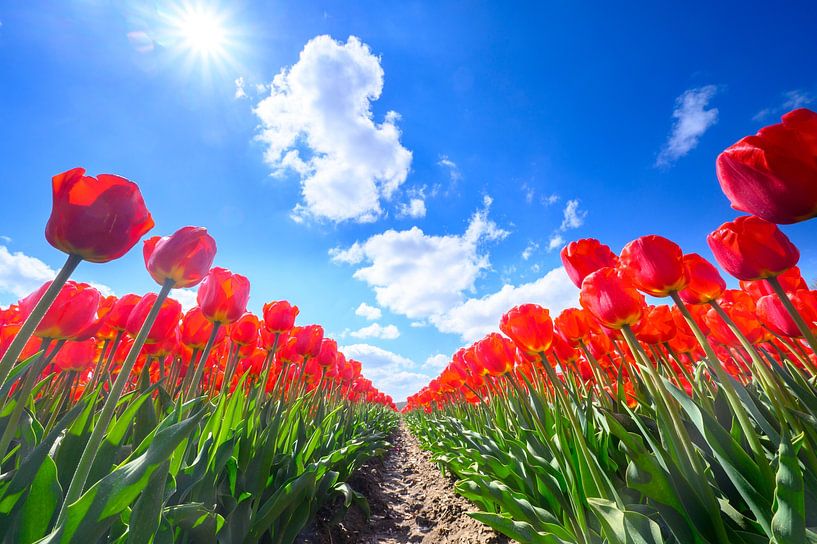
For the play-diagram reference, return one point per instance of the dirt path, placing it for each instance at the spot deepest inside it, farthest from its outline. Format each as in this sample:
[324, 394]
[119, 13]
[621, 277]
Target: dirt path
[410, 502]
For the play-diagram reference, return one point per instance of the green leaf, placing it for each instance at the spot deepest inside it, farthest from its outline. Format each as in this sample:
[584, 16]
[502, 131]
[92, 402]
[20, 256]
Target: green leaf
[44, 497]
[788, 522]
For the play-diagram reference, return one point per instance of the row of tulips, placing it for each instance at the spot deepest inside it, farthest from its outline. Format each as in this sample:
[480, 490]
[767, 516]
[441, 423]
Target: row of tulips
[126, 420]
[626, 422]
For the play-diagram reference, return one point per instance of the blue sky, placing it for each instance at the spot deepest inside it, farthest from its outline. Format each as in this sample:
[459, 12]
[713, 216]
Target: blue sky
[424, 159]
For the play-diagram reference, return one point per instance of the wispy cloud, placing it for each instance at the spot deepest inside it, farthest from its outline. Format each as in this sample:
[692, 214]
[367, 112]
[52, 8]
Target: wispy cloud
[454, 173]
[791, 100]
[239, 88]
[376, 330]
[372, 313]
[692, 119]
[572, 218]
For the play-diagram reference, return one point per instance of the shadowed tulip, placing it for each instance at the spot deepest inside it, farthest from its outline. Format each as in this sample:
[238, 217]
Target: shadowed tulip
[773, 174]
[773, 314]
[750, 248]
[72, 312]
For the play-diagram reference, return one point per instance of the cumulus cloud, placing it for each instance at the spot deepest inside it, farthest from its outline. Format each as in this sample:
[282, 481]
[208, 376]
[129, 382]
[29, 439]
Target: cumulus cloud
[556, 241]
[437, 362]
[371, 313]
[376, 330]
[478, 316]
[318, 123]
[186, 297]
[20, 274]
[692, 120]
[415, 208]
[390, 372]
[417, 274]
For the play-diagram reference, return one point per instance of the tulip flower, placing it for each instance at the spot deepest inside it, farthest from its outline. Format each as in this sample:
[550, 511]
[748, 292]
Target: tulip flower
[583, 257]
[609, 295]
[306, 341]
[328, 352]
[76, 356]
[495, 354]
[244, 331]
[791, 280]
[184, 257]
[529, 326]
[223, 295]
[574, 325]
[279, 316]
[704, 281]
[655, 264]
[750, 248]
[196, 329]
[656, 325]
[772, 174]
[165, 323]
[773, 314]
[72, 312]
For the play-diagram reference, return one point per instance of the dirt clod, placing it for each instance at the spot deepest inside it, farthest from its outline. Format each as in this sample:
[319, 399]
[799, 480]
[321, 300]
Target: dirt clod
[410, 501]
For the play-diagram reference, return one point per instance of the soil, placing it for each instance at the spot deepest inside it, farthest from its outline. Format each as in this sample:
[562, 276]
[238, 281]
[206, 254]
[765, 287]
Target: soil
[410, 501]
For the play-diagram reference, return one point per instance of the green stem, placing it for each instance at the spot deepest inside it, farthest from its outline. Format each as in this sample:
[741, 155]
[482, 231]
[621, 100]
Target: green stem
[30, 324]
[95, 441]
[194, 384]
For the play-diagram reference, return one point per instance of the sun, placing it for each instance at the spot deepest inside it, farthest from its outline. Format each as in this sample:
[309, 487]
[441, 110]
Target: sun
[202, 31]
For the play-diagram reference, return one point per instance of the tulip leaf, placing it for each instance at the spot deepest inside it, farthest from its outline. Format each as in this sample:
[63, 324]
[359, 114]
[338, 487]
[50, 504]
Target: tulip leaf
[788, 521]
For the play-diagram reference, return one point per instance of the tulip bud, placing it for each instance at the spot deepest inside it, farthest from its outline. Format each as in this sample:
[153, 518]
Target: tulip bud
[609, 295]
[223, 296]
[750, 248]
[583, 257]
[705, 282]
[529, 326]
[184, 257]
[655, 265]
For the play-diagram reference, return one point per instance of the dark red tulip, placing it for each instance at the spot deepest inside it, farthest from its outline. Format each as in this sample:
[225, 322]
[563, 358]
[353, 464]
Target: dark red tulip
[609, 295]
[98, 219]
[704, 281]
[772, 174]
[791, 280]
[655, 264]
[583, 257]
[223, 296]
[750, 248]
[184, 257]
[656, 325]
[529, 326]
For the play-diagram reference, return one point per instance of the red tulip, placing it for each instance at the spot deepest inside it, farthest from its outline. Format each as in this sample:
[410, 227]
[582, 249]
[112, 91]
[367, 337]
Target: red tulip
[279, 316]
[655, 264]
[656, 325]
[774, 315]
[184, 257]
[119, 314]
[244, 331]
[223, 295]
[529, 326]
[750, 248]
[77, 356]
[196, 329]
[574, 325]
[791, 280]
[583, 257]
[609, 295]
[99, 219]
[495, 354]
[328, 352]
[772, 174]
[166, 321]
[73, 311]
[705, 282]
[306, 341]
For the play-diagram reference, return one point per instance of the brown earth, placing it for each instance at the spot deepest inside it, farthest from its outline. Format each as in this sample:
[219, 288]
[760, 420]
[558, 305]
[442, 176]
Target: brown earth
[410, 501]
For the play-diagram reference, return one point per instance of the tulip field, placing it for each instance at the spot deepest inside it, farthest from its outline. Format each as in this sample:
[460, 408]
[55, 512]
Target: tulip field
[623, 420]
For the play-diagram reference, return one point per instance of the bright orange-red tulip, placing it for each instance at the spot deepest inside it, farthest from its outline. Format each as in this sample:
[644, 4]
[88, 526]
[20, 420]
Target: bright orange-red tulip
[705, 282]
[196, 329]
[750, 248]
[223, 296]
[609, 295]
[495, 354]
[530, 326]
[791, 280]
[656, 325]
[328, 353]
[279, 316]
[655, 264]
[583, 257]
[306, 341]
[73, 311]
[574, 325]
[772, 174]
[244, 332]
[98, 219]
[77, 356]
[184, 257]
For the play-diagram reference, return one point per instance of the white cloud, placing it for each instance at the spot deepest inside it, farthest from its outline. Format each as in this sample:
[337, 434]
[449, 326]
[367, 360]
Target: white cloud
[186, 297]
[692, 119]
[556, 241]
[371, 313]
[20, 274]
[792, 100]
[478, 316]
[416, 208]
[418, 324]
[420, 275]
[529, 249]
[550, 199]
[390, 372]
[454, 173]
[437, 362]
[239, 88]
[573, 217]
[375, 330]
[318, 122]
